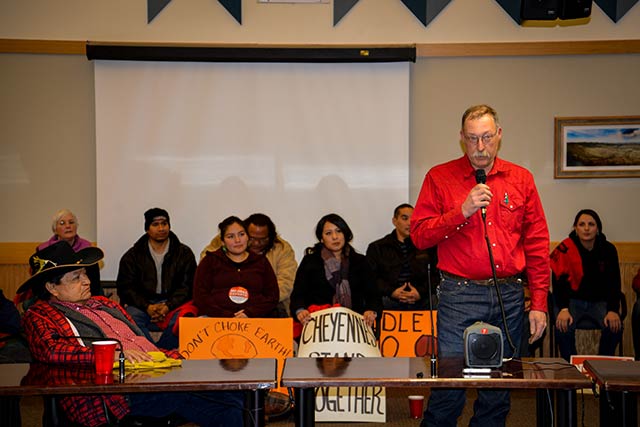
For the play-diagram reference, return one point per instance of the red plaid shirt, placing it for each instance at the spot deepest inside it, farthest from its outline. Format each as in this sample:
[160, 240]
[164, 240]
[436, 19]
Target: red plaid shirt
[41, 322]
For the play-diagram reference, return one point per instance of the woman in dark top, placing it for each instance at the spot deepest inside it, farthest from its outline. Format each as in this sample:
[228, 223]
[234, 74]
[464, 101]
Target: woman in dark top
[234, 282]
[586, 285]
[332, 272]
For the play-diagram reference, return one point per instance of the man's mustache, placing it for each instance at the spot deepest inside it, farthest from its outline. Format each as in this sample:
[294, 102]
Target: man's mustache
[483, 155]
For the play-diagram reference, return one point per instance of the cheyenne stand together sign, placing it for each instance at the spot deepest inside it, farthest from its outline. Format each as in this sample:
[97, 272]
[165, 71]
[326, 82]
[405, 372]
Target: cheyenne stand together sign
[340, 332]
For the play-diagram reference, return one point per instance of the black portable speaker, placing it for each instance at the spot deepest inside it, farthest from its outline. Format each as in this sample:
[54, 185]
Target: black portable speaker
[483, 346]
[524, 10]
[575, 9]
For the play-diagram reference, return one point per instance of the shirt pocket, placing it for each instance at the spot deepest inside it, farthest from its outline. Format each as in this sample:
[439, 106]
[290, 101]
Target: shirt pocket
[512, 213]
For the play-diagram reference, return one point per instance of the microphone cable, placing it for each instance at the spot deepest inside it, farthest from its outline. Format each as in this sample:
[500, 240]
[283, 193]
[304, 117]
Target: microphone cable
[433, 360]
[481, 178]
[498, 292]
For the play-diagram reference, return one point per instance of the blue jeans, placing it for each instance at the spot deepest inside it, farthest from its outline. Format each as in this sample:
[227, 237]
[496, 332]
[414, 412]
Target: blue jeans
[167, 340]
[462, 303]
[587, 315]
[207, 409]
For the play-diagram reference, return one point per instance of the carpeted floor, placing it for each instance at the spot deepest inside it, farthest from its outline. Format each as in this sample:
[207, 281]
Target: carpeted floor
[397, 411]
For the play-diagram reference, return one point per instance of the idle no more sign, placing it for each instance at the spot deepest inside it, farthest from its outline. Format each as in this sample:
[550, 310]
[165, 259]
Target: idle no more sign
[341, 333]
[408, 333]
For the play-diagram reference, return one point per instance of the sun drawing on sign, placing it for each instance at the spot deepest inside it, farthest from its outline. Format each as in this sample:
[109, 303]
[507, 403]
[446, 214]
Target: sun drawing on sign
[233, 346]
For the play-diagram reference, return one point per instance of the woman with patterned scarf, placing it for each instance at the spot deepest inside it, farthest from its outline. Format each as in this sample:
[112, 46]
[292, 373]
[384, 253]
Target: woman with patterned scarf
[333, 273]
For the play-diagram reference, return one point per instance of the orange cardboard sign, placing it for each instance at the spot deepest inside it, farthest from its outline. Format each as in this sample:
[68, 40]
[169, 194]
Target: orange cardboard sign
[236, 338]
[408, 333]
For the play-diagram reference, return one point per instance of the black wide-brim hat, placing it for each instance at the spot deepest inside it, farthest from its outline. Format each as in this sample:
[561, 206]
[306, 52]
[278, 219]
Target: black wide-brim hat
[58, 259]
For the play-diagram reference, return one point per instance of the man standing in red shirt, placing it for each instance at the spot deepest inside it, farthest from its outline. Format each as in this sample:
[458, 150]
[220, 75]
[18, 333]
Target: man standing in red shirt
[449, 213]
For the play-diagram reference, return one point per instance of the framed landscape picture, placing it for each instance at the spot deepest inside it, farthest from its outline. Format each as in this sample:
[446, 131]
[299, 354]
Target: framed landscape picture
[597, 147]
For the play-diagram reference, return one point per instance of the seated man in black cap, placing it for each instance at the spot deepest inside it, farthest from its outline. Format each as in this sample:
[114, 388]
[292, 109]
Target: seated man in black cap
[66, 309]
[155, 278]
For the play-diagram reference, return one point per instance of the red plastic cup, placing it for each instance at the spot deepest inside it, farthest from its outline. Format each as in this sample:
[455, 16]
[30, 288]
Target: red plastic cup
[103, 379]
[104, 353]
[416, 404]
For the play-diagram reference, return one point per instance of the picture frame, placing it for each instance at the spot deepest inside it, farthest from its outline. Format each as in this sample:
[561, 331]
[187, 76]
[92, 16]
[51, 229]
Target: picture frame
[597, 147]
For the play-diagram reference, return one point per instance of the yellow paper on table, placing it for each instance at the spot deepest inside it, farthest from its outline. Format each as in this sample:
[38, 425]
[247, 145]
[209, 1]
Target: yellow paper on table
[160, 361]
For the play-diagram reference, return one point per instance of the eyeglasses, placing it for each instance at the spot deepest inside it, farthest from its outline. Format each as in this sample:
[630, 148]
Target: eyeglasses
[486, 138]
[260, 240]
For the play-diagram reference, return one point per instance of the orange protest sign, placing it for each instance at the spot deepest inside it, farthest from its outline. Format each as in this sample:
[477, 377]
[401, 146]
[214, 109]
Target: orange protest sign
[246, 338]
[236, 338]
[407, 333]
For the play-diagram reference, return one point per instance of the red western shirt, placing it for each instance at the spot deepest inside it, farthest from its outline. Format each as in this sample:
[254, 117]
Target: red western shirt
[516, 225]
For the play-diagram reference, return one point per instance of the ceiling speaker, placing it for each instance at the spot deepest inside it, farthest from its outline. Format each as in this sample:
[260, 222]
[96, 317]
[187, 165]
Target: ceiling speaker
[534, 10]
[575, 9]
[540, 9]
[483, 346]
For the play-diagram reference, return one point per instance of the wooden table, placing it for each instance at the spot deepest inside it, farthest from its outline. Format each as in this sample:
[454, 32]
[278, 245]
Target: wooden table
[619, 383]
[254, 376]
[546, 375]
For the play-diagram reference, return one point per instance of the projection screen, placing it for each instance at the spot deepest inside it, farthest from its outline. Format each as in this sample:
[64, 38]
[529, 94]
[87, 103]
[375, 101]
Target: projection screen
[209, 140]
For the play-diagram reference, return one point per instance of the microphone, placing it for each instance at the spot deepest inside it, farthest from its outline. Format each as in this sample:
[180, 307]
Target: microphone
[481, 178]
[57, 336]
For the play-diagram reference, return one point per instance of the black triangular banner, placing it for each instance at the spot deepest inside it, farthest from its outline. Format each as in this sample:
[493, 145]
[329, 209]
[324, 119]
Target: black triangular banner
[418, 8]
[154, 7]
[341, 8]
[234, 7]
[425, 10]
[616, 9]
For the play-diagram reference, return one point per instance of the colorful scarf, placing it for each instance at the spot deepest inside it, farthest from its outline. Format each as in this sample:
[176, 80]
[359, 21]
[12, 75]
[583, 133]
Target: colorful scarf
[337, 273]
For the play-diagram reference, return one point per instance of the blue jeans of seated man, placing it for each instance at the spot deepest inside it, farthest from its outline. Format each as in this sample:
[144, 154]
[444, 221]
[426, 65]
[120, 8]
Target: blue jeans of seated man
[207, 409]
[462, 303]
[587, 314]
[167, 340]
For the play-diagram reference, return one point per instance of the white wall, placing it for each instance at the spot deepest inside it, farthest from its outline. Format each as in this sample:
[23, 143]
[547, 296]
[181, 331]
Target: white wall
[528, 93]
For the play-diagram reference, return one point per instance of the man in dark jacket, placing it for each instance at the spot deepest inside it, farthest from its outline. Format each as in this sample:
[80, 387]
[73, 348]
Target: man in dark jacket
[156, 277]
[401, 271]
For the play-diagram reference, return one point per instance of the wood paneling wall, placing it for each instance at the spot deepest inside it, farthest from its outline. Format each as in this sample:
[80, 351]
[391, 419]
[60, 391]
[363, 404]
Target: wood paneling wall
[591, 47]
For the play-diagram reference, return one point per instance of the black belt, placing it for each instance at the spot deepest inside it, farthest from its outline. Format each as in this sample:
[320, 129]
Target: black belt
[484, 282]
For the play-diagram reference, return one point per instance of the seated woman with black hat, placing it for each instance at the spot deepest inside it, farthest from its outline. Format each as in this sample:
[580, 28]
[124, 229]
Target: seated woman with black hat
[66, 309]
